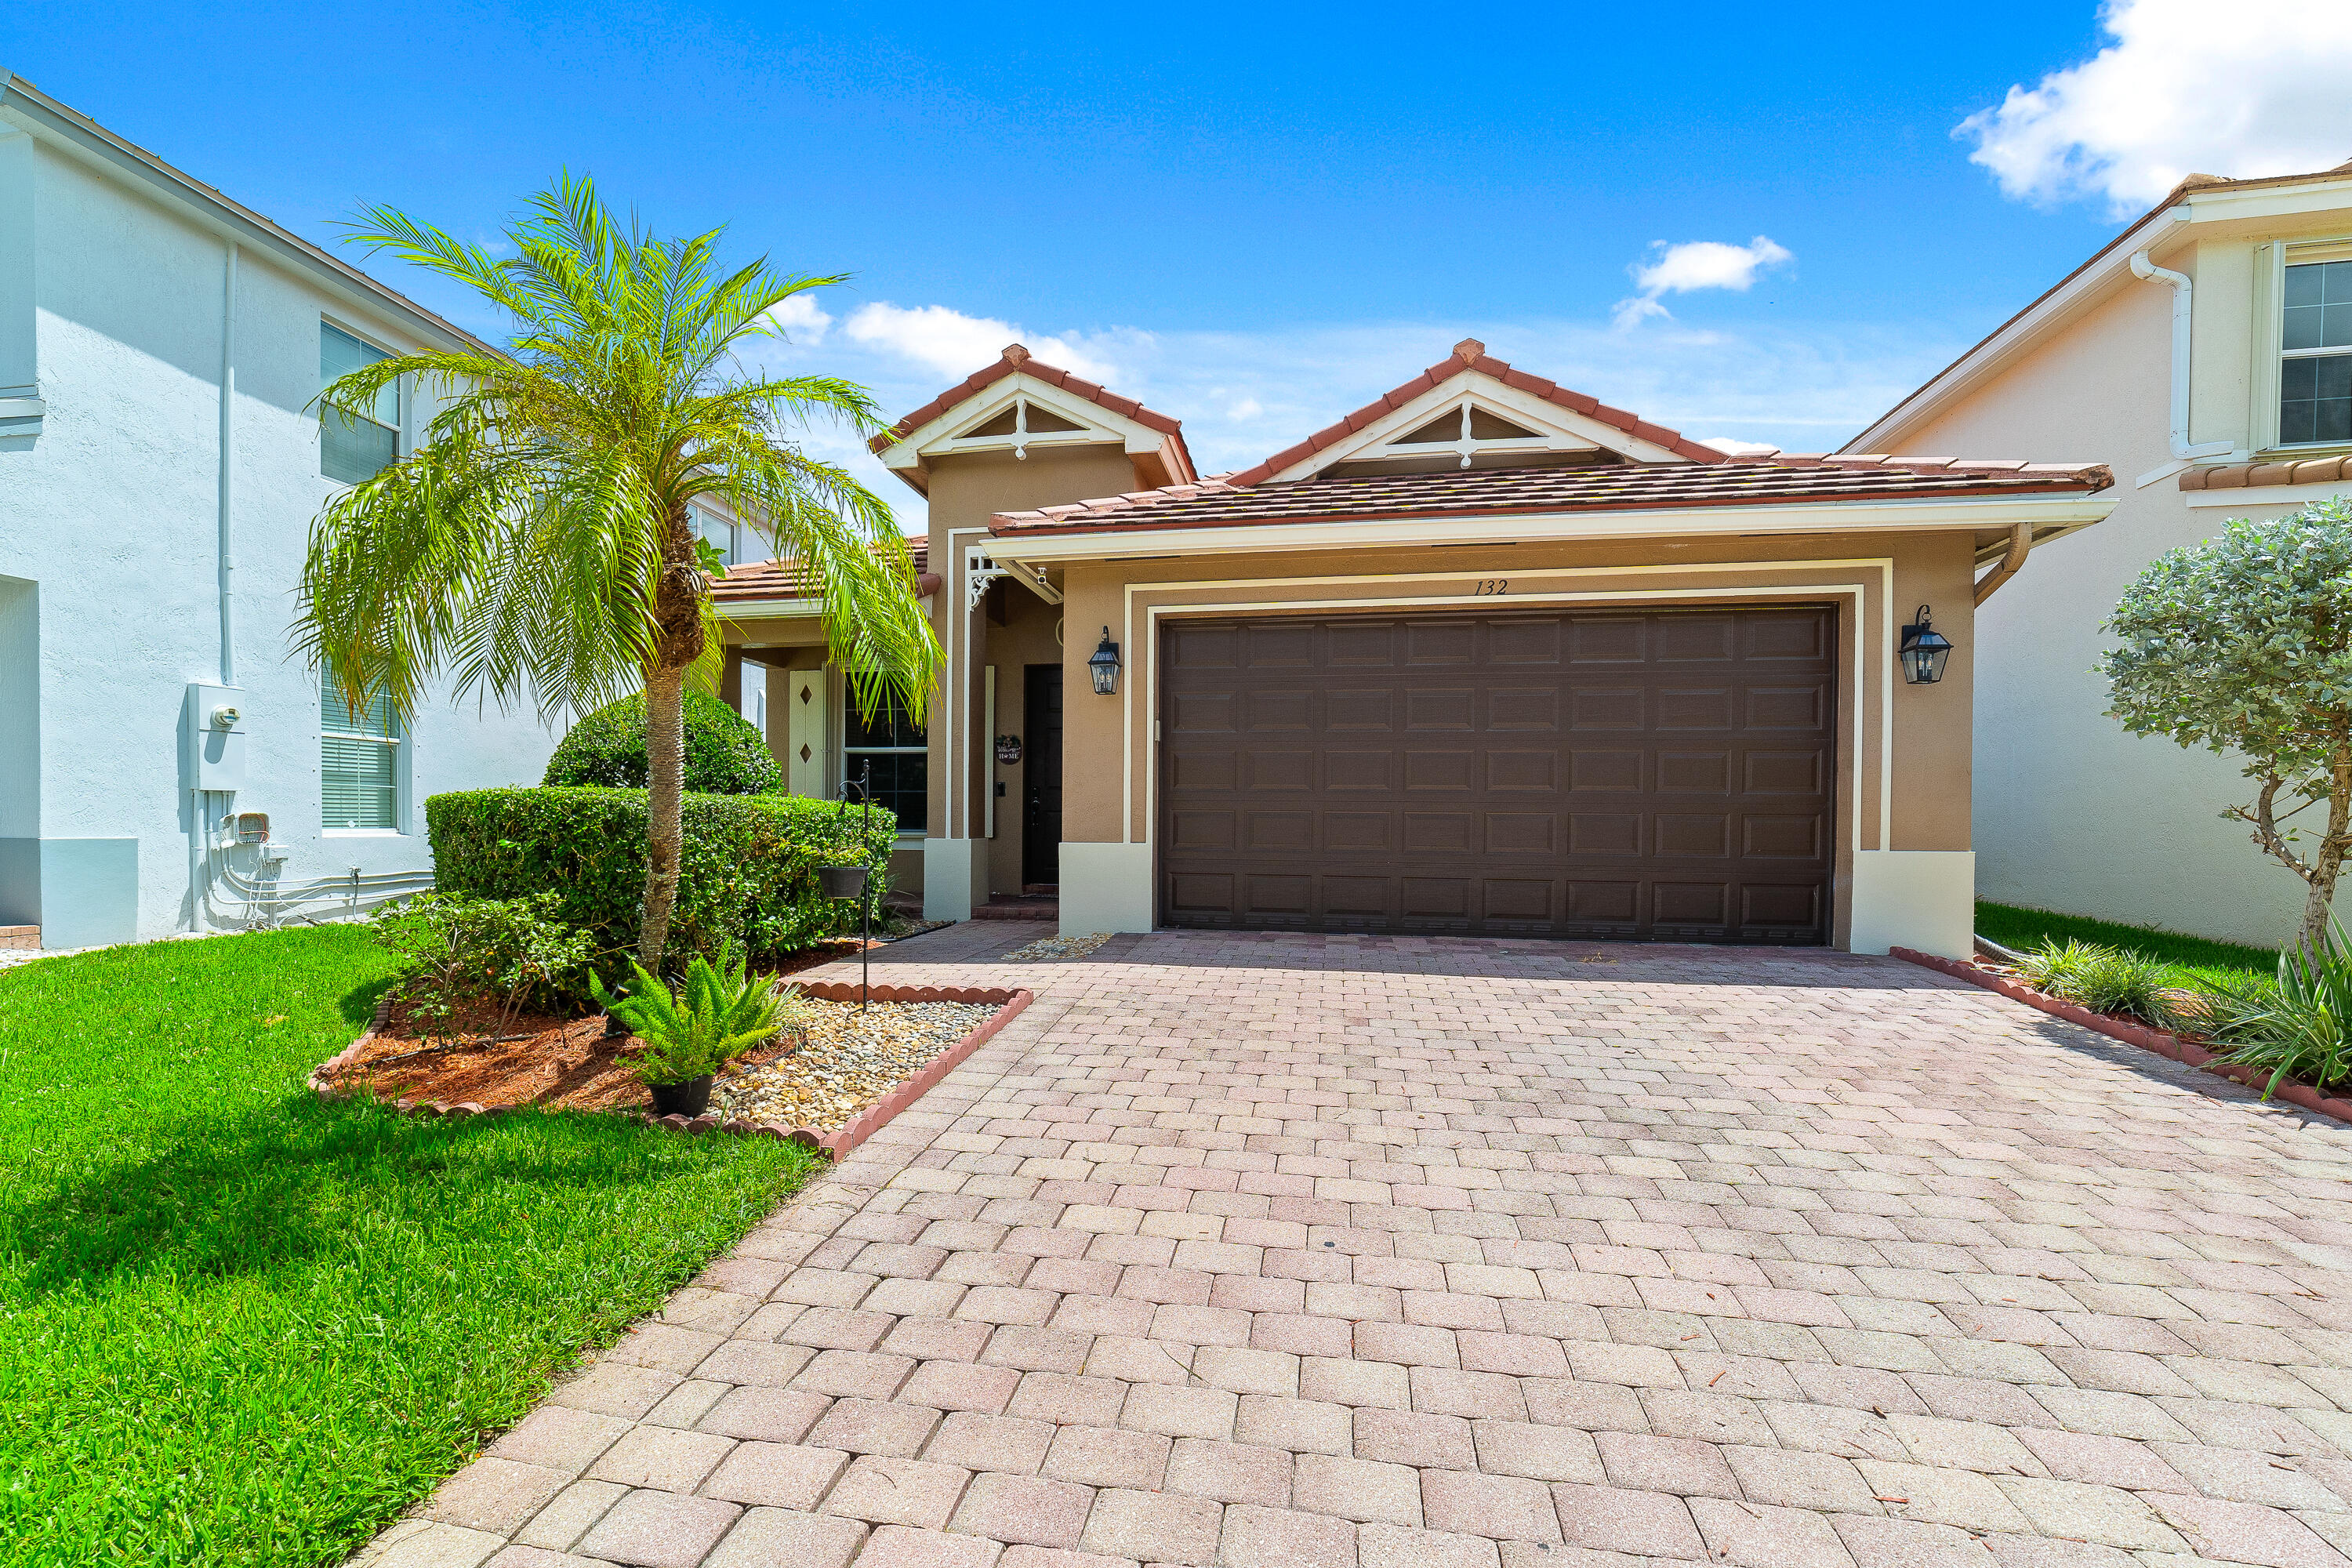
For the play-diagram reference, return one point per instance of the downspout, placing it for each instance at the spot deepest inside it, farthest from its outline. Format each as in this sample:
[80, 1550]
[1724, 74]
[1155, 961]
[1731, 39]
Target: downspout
[2182, 289]
[2021, 540]
[224, 569]
[227, 545]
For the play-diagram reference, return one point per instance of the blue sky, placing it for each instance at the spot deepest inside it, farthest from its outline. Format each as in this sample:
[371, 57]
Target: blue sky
[1254, 216]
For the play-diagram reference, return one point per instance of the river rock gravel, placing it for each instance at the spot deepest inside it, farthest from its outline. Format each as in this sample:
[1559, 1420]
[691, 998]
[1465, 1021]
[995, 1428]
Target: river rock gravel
[850, 1059]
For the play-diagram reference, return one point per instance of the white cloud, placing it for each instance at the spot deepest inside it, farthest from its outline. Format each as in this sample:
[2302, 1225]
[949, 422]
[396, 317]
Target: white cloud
[802, 319]
[1697, 264]
[955, 344]
[2186, 88]
[1738, 447]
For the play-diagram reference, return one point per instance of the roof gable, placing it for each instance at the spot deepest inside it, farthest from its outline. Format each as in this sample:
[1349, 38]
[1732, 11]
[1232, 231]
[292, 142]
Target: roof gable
[1498, 414]
[1020, 402]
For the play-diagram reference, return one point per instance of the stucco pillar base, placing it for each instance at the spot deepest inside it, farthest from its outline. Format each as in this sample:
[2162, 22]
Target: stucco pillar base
[1922, 898]
[1106, 887]
[955, 878]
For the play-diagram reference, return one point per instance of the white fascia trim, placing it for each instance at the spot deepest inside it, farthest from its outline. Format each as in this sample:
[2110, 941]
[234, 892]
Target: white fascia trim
[2222, 205]
[1479, 387]
[2051, 311]
[2061, 512]
[2246, 496]
[936, 437]
[768, 609]
[92, 143]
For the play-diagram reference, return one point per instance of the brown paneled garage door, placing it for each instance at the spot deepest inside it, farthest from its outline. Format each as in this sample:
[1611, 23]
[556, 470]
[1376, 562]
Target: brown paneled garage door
[1662, 775]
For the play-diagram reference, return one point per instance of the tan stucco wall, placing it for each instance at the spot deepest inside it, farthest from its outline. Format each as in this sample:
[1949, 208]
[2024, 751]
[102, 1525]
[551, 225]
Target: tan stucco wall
[2071, 813]
[1875, 579]
[965, 491]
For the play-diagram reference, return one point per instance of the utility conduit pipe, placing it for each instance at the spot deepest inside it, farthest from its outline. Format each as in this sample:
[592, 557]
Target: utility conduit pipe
[2021, 540]
[2182, 290]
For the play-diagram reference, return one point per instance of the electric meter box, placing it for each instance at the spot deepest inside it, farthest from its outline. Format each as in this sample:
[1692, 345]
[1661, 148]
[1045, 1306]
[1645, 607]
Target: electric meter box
[212, 738]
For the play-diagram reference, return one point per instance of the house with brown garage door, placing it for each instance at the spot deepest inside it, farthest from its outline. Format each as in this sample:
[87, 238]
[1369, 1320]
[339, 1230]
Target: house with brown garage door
[1485, 658]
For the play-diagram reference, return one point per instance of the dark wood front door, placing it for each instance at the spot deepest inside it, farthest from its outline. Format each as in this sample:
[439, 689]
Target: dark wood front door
[1041, 776]
[1663, 775]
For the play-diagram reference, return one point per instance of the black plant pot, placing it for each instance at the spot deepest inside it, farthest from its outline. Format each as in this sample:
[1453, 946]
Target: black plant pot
[691, 1098]
[842, 882]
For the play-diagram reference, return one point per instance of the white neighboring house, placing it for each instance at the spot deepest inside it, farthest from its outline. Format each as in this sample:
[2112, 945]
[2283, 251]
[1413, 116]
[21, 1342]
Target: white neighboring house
[2204, 354]
[161, 462]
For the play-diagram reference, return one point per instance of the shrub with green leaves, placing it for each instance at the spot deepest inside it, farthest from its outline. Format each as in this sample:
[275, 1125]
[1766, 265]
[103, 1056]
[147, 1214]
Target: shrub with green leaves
[747, 876]
[452, 949]
[718, 1012]
[2298, 1025]
[725, 753]
[2243, 643]
[2104, 979]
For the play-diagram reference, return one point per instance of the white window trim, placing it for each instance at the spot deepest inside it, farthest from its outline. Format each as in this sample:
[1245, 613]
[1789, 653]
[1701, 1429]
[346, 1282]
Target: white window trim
[403, 432]
[2270, 261]
[403, 761]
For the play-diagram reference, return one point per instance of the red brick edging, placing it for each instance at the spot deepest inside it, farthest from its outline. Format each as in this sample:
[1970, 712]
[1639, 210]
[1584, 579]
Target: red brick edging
[2187, 1052]
[832, 1145]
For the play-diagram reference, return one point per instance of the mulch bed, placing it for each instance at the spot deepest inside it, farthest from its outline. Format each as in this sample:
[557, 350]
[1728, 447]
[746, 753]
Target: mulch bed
[830, 1086]
[2131, 1032]
[844, 1059]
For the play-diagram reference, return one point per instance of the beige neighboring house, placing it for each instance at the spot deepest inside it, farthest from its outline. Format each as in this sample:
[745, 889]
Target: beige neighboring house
[1485, 657]
[2205, 356]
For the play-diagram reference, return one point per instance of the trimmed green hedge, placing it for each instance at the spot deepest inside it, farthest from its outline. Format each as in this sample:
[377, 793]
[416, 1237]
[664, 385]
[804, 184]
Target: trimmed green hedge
[724, 751]
[749, 874]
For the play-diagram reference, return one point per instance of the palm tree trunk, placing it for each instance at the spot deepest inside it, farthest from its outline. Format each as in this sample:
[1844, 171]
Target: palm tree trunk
[666, 786]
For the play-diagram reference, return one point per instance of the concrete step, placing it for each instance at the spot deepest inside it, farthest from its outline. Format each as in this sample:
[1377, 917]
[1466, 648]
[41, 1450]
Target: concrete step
[1028, 907]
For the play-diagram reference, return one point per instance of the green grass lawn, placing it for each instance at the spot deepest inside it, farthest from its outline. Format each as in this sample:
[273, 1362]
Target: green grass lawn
[240, 1326]
[2191, 957]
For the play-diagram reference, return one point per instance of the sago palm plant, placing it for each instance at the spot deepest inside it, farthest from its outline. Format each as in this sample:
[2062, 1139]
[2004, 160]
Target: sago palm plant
[718, 1012]
[539, 542]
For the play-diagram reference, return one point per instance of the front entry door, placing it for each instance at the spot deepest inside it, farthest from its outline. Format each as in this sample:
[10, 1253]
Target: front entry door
[1041, 777]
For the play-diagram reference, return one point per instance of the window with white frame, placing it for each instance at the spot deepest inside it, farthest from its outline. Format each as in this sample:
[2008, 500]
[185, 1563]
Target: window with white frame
[894, 746]
[2315, 356]
[736, 544]
[359, 760]
[354, 446]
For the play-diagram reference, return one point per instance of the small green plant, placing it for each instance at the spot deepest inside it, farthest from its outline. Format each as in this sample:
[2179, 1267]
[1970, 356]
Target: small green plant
[451, 949]
[2296, 1025]
[2104, 979]
[718, 1013]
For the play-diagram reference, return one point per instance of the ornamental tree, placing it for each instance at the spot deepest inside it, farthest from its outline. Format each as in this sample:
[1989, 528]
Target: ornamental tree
[540, 543]
[2243, 643]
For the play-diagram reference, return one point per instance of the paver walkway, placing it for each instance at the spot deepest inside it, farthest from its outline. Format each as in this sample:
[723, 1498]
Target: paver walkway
[1288, 1252]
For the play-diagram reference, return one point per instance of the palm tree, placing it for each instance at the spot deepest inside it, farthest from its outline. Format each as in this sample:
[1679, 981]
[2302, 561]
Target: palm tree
[539, 542]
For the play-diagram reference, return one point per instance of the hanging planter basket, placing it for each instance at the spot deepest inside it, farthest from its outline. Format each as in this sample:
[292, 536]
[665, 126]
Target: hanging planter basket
[842, 882]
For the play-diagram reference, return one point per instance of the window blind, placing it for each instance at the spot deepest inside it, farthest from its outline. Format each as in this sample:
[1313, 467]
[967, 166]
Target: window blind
[359, 778]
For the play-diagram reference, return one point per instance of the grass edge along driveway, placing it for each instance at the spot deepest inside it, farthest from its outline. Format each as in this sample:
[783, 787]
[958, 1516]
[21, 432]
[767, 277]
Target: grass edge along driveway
[238, 1325]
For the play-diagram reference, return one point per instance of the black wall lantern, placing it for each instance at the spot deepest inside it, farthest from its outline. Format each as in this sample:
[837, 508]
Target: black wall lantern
[1924, 651]
[1103, 665]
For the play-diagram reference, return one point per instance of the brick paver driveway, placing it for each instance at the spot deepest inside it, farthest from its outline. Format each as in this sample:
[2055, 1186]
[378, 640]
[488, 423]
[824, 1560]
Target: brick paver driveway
[1303, 1251]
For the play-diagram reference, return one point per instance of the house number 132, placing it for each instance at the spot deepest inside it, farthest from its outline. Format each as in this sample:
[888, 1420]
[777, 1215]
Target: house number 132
[1493, 585]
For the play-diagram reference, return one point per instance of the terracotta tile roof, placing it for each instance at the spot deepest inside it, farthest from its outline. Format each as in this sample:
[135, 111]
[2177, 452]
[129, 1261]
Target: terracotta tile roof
[1731, 481]
[2246, 475]
[1016, 358]
[757, 581]
[1471, 354]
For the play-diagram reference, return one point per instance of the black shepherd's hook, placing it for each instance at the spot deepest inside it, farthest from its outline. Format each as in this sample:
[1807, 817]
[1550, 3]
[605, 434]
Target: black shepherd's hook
[865, 788]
